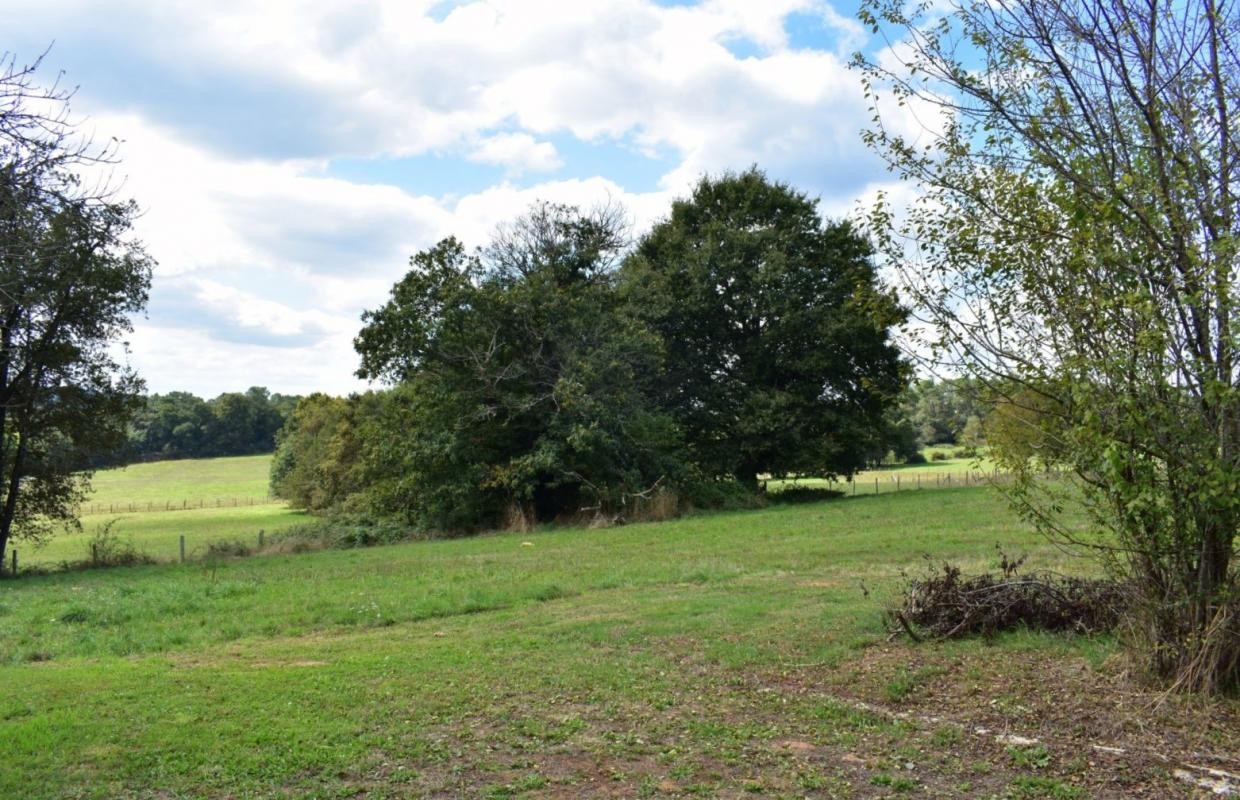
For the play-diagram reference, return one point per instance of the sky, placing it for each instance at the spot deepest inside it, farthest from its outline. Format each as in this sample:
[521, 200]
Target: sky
[289, 157]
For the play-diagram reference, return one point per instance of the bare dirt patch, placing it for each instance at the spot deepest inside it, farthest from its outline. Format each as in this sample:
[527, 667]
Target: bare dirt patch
[1039, 716]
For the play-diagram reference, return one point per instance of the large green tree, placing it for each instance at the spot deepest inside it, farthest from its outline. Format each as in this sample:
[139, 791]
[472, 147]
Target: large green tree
[520, 389]
[776, 328]
[70, 277]
[1076, 248]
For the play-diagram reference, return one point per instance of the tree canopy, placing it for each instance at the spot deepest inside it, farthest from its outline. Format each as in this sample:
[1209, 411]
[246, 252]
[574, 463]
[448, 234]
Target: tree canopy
[557, 372]
[522, 390]
[779, 359]
[183, 425]
[70, 278]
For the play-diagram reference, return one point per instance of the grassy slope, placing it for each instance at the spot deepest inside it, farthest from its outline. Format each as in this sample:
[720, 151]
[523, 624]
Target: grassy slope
[635, 661]
[932, 474]
[209, 479]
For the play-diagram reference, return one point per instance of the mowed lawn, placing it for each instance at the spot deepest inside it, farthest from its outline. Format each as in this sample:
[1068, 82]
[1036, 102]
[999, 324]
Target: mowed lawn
[725, 655]
[153, 505]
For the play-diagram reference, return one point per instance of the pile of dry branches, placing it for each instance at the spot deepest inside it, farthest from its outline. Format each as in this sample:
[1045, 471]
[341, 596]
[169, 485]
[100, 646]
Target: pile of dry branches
[947, 604]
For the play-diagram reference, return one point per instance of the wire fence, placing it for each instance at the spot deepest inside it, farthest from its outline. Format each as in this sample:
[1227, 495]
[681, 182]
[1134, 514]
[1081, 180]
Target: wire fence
[862, 484]
[898, 481]
[184, 504]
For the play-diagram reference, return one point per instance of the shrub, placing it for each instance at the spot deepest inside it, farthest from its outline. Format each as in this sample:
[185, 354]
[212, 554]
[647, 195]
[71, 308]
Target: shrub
[107, 550]
[939, 455]
[915, 458]
[803, 494]
[342, 531]
[724, 494]
[228, 548]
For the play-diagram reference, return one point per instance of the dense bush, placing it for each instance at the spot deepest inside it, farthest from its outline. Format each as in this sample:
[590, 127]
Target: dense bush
[341, 531]
[316, 465]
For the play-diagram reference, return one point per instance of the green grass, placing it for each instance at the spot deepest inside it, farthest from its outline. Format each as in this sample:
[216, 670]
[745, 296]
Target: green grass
[902, 477]
[222, 486]
[566, 661]
[173, 483]
[158, 534]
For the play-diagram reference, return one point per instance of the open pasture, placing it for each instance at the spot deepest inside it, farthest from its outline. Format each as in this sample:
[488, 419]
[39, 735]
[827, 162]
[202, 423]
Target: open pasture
[724, 655]
[210, 500]
[207, 500]
[175, 484]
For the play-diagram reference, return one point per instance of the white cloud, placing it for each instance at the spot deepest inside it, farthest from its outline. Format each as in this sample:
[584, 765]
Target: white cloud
[518, 153]
[235, 112]
[476, 216]
[172, 358]
[275, 262]
[273, 318]
[385, 78]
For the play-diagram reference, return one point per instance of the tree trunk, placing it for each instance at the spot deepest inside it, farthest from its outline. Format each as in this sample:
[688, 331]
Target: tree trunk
[747, 475]
[9, 510]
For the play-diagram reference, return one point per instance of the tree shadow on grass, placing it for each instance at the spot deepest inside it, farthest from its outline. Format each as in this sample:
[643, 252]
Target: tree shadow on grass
[797, 495]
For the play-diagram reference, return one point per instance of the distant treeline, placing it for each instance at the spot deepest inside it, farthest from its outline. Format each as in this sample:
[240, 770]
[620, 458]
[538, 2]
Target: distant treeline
[951, 411]
[183, 425]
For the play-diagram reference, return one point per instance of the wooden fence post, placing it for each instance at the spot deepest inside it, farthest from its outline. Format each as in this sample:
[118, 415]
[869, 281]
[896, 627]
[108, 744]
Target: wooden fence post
[182, 548]
[14, 570]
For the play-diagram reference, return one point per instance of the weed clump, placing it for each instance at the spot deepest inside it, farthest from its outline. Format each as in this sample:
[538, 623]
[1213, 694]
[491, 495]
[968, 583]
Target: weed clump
[108, 550]
[947, 604]
[228, 548]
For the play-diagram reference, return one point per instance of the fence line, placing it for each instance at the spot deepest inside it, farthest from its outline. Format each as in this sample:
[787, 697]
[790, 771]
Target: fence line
[185, 504]
[899, 481]
[895, 480]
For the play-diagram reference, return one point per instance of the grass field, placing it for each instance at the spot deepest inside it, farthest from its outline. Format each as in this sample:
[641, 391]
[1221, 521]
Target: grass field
[175, 483]
[158, 534]
[728, 655]
[215, 483]
[147, 500]
[947, 473]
